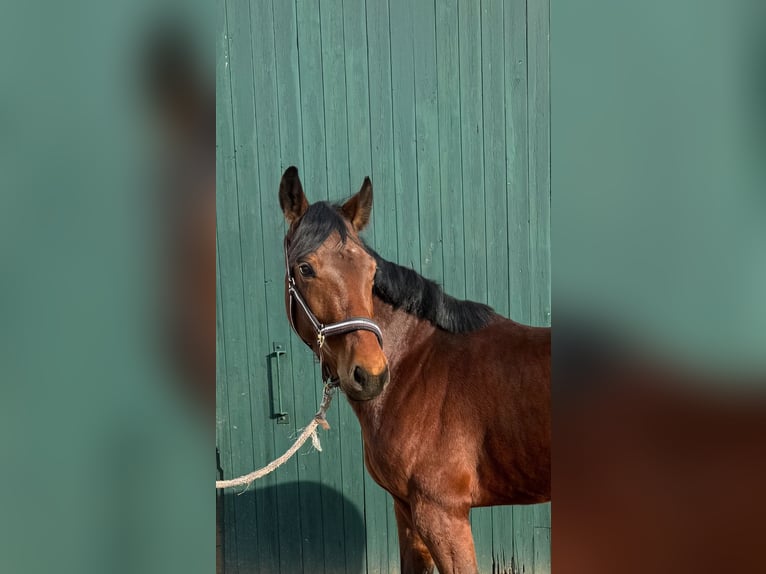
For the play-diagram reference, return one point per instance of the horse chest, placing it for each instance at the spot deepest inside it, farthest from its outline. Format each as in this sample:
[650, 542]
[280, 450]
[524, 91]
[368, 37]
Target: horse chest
[388, 471]
[389, 461]
[395, 452]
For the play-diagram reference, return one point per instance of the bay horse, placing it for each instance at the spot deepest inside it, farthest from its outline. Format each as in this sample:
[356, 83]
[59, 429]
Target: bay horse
[453, 399]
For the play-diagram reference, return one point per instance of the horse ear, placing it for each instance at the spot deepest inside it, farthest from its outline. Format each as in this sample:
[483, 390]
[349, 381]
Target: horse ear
[291, 197]
[358, 208]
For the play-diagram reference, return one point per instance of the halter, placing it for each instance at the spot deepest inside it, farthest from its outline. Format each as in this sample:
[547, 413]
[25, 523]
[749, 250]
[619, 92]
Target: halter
[320, 330]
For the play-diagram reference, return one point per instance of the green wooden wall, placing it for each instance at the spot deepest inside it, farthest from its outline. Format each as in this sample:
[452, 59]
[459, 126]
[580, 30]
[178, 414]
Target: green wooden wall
[445, 104]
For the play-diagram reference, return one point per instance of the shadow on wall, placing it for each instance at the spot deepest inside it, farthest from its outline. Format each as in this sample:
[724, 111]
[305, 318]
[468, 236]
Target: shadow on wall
[240, 536]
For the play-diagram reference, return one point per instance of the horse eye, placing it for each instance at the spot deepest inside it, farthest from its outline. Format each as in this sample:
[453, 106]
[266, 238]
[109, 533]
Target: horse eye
[306, 270]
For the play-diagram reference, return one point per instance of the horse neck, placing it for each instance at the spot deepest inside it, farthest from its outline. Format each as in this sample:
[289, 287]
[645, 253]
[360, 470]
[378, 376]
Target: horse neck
[403, 333]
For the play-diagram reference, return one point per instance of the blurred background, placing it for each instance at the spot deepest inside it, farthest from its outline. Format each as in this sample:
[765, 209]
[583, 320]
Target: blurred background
[107, 303]
[659, 285]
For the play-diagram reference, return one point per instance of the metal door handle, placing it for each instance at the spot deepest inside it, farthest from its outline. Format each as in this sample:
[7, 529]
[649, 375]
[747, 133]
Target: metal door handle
[280, 415]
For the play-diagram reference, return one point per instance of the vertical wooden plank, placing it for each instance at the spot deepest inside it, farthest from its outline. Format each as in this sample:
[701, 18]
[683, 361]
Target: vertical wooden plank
[469, 37]
[427, 138]
[314, 173]
[352, 469]
[495, 194]
[310, 505]
[385, 230]
[358, 100]
[262, 229]
[481, 526]
[517, 162]
[334, 86]
[450, 155]
[235, 149]
[405, 150]
[290, 139]
[542, 538]
[357, 90]
[299, 358]
[377, 531]
[542, 544]
[381, 128]
[539, 158]
[224, 177]
[393, 536]
[223, 421]
[288, 88]
[228, 522]
[528, 547]
[542, 515]
[523, 539]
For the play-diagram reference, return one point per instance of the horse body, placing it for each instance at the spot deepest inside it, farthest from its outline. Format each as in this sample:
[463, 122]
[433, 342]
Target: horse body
[453, 411]
[455, 406]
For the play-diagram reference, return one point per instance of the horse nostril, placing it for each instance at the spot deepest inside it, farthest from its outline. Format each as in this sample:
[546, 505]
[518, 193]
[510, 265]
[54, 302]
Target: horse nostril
[359, 375]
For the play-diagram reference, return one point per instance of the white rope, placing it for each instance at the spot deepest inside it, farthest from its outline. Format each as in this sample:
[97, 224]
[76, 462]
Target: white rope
[310, 431]
[247, 479]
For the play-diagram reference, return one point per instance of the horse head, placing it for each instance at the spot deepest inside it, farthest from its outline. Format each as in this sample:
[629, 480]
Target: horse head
[329, 286]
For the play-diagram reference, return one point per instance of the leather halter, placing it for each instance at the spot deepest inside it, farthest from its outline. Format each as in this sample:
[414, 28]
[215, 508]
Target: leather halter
[320, 330]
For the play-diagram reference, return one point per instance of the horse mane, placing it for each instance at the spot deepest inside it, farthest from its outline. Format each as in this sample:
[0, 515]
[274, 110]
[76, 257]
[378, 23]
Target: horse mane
[406, 289]
[401, 287]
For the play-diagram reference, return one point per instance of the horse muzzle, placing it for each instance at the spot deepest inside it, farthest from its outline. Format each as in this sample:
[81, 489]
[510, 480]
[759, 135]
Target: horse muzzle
[361, 385]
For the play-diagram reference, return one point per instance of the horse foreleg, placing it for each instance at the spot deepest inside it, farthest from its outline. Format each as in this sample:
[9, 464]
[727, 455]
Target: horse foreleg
[413, 552]
[447, 534]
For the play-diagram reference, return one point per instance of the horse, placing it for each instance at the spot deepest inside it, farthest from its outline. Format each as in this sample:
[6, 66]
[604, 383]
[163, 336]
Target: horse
[453, 399]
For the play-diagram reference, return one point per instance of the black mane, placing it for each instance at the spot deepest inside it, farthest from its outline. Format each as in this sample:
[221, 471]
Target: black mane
[405, 289]
[401, 287]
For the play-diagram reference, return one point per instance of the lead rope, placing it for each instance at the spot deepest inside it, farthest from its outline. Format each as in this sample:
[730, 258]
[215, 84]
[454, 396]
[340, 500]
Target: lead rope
[319, 419]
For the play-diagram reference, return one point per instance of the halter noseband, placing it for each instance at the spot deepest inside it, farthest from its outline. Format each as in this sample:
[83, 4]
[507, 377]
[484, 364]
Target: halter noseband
[320, 330]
